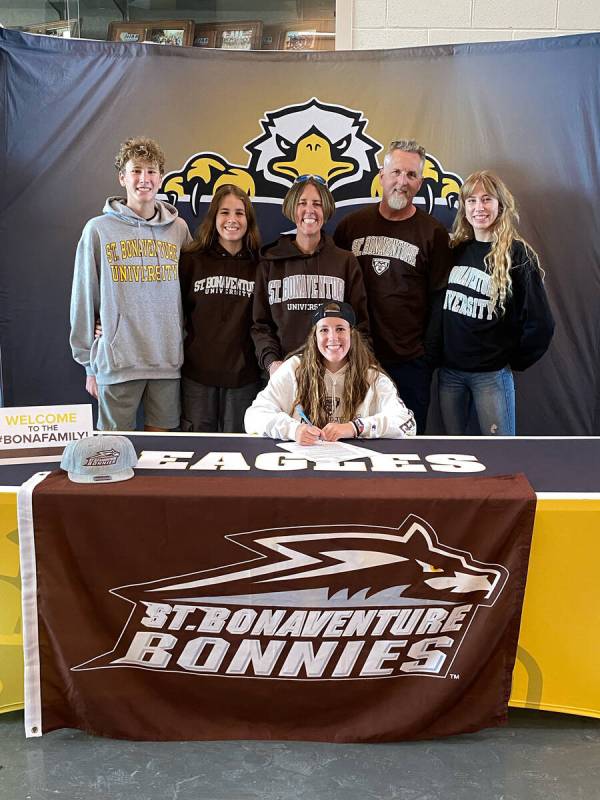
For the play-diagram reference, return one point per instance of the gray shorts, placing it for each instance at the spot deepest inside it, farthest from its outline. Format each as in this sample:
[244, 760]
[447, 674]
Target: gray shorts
[118, 404]
[207, 409]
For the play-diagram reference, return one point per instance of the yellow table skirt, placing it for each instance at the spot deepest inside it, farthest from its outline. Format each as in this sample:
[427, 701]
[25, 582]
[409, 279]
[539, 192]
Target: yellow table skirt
[558, 658]
[11, 638]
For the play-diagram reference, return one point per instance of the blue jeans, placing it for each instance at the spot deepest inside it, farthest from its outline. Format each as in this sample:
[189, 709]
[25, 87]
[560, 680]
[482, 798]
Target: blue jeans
[491, 394]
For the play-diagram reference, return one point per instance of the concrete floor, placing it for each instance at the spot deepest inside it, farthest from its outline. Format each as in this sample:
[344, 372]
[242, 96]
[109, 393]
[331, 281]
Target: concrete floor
[538, 755]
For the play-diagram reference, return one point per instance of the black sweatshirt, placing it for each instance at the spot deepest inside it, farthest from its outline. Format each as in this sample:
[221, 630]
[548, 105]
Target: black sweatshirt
[217, 293]
[479, 340]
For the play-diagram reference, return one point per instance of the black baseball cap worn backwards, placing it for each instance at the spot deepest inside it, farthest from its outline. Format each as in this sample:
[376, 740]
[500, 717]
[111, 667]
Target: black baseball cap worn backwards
[335, 309]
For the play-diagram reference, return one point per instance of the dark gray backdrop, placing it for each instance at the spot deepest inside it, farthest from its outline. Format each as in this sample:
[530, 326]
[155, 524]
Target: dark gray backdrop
[528, 109]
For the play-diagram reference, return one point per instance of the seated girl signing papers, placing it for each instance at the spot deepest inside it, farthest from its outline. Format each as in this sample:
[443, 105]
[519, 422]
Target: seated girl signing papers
[333, 388]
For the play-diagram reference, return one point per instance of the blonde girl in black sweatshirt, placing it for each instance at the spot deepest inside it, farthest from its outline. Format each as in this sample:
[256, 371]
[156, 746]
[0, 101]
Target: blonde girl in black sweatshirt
[496, 317]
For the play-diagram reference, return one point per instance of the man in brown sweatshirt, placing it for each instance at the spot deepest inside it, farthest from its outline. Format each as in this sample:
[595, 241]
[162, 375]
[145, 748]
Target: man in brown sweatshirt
[405, 260]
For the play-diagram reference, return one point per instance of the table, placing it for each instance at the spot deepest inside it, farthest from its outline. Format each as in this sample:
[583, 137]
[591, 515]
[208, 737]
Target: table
[557, 659]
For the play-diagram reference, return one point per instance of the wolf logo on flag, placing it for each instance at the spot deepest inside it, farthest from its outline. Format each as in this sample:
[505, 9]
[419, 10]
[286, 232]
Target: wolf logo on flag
[311, 138]
[328, 602]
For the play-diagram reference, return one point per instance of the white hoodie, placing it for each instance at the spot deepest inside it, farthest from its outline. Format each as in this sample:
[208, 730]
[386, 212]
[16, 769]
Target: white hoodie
[382, 412]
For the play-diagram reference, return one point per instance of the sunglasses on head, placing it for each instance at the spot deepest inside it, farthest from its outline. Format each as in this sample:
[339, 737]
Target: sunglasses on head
[317, 178]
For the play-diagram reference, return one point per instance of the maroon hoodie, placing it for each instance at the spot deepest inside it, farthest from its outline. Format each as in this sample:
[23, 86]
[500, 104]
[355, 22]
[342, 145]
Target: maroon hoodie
[290, 285]
[216, 292]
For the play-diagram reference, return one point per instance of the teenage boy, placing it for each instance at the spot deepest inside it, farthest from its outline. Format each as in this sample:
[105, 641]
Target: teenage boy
[126, 278]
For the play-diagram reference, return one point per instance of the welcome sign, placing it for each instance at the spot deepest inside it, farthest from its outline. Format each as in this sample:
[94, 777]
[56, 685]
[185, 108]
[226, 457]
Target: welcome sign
[44, 426]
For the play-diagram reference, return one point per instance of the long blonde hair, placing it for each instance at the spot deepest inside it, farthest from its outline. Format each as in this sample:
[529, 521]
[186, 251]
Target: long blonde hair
[310, 376]
[498, 261]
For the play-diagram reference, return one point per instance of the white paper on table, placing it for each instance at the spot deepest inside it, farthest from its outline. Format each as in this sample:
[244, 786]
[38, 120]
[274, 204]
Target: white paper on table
[323, 452]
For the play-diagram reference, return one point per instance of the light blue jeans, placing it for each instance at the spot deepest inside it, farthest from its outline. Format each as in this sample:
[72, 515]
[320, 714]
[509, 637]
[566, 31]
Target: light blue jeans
[491, 394]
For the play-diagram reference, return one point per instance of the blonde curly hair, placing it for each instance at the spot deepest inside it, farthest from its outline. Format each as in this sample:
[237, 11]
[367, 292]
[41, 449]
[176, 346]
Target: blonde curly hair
[504, 232]
[140, 148]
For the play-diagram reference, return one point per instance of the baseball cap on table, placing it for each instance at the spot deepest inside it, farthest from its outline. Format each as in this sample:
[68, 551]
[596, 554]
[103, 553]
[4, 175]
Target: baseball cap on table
[333, 308]
[99, 459]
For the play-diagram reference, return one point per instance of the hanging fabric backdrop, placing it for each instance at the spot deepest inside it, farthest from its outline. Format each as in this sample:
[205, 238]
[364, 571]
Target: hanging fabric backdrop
[529, 110]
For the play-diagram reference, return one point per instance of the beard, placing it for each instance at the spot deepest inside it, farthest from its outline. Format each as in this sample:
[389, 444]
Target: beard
[397, 201]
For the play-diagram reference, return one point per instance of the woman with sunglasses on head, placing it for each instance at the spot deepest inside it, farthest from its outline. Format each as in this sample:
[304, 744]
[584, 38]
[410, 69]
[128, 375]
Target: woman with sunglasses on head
[300, 271]
[220, 376]
[332, 388]
[496, 316]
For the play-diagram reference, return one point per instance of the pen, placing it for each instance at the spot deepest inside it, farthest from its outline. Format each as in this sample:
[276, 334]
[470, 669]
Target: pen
[304, 418]
[302, 415]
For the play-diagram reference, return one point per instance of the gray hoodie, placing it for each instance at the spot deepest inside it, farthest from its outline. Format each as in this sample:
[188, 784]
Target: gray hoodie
[126, 274]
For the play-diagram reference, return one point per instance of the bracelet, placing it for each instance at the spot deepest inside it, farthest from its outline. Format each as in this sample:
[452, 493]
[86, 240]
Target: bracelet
[359, 426]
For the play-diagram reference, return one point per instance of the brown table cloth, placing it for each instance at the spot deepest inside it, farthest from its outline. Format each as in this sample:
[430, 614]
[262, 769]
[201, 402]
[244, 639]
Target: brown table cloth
[317, 608]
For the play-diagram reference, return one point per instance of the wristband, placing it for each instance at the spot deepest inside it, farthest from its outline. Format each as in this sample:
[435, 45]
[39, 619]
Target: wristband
[359, 426]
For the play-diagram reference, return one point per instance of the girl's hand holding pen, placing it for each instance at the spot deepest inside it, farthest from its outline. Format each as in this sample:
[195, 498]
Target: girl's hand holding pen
[308, 434]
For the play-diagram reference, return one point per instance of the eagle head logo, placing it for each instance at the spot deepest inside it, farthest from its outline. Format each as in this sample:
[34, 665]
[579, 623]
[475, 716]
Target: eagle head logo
[310, 138]
[315, 138]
